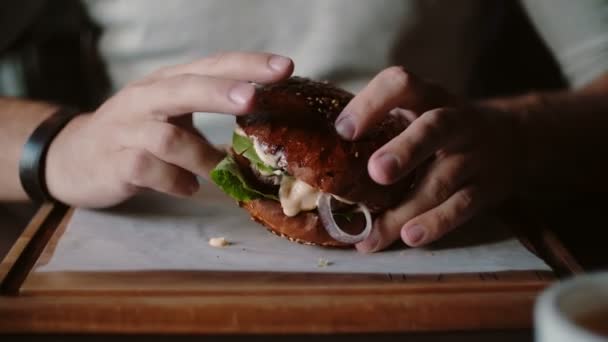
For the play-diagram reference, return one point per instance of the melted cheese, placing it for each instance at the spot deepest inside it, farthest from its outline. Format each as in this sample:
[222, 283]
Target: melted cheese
[296, 196]
[269, 159]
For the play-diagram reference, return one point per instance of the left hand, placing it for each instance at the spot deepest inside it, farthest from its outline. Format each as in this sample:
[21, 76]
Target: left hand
[473, 153]
[134, 140]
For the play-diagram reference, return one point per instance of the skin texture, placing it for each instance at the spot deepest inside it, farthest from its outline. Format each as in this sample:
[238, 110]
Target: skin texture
[133, 141]
[476, 155]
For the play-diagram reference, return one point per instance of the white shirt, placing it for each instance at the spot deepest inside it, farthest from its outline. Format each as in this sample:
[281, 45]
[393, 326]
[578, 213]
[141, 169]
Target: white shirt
[344, 41]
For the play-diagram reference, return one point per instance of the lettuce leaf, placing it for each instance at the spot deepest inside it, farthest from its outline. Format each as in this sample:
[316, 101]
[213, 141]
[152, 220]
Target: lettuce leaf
[240, 144]
[227, 176]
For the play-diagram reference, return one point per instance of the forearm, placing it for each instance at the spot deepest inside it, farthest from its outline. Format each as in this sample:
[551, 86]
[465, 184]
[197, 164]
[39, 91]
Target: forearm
[18, 119]
[563, 138]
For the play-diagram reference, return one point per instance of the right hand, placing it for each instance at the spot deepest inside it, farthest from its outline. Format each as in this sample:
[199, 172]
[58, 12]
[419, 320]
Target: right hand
[132, 141]
[467, 157]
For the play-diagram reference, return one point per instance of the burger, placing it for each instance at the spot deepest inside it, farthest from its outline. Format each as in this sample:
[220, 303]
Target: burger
[295, 175]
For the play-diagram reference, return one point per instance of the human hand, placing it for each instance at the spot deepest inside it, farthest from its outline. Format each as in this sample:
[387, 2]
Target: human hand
[466, 158]
[133, 141]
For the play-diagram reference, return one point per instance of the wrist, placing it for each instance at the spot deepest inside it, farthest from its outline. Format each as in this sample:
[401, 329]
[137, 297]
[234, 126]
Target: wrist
[535, 138]
[62, 151]
[524, 142]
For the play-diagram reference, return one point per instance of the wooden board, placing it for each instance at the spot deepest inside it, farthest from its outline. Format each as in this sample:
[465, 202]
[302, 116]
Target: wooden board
[238, 302]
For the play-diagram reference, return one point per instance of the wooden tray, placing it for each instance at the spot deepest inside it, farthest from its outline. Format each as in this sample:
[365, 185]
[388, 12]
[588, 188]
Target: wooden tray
[224, 302]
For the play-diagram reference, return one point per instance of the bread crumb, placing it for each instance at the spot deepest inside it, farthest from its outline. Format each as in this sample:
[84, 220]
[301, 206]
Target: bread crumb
[322, 262]
[218, 242]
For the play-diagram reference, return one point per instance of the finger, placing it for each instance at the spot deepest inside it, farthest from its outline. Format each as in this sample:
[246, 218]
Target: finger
[185, 122]
[139, 168]
[444, 177]
[435, 223]
[174, 145]
[245, 66]
[408, 115]
[391, 88]
[397, 158]
[181, 94]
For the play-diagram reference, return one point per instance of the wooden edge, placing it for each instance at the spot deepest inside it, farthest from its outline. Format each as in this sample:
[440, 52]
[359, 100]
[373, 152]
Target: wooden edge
[545, 244]
[50, 247]
[25, 252]
[558, 256]
[412, 311]
[17, 248]
[541, 241]
[216, 283]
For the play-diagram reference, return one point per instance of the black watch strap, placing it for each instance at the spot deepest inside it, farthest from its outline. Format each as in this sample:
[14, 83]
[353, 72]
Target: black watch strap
[33, 156]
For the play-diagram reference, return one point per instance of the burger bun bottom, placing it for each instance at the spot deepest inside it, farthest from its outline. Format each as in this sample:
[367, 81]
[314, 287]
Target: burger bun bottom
[305, 228]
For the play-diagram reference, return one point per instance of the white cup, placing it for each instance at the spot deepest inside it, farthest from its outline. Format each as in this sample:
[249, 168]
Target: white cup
[559, 309]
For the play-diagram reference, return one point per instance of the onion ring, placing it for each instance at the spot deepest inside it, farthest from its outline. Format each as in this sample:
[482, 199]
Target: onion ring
[332, 228]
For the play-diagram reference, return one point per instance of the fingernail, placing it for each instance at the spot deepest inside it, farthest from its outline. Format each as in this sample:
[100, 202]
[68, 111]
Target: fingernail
[345, 128]
[278, 63]
[370, 243]
[389, 164]
[241, 93]
[414, 234]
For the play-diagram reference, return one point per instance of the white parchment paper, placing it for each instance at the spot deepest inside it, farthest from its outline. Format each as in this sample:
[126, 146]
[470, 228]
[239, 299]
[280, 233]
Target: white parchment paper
[156, 232]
